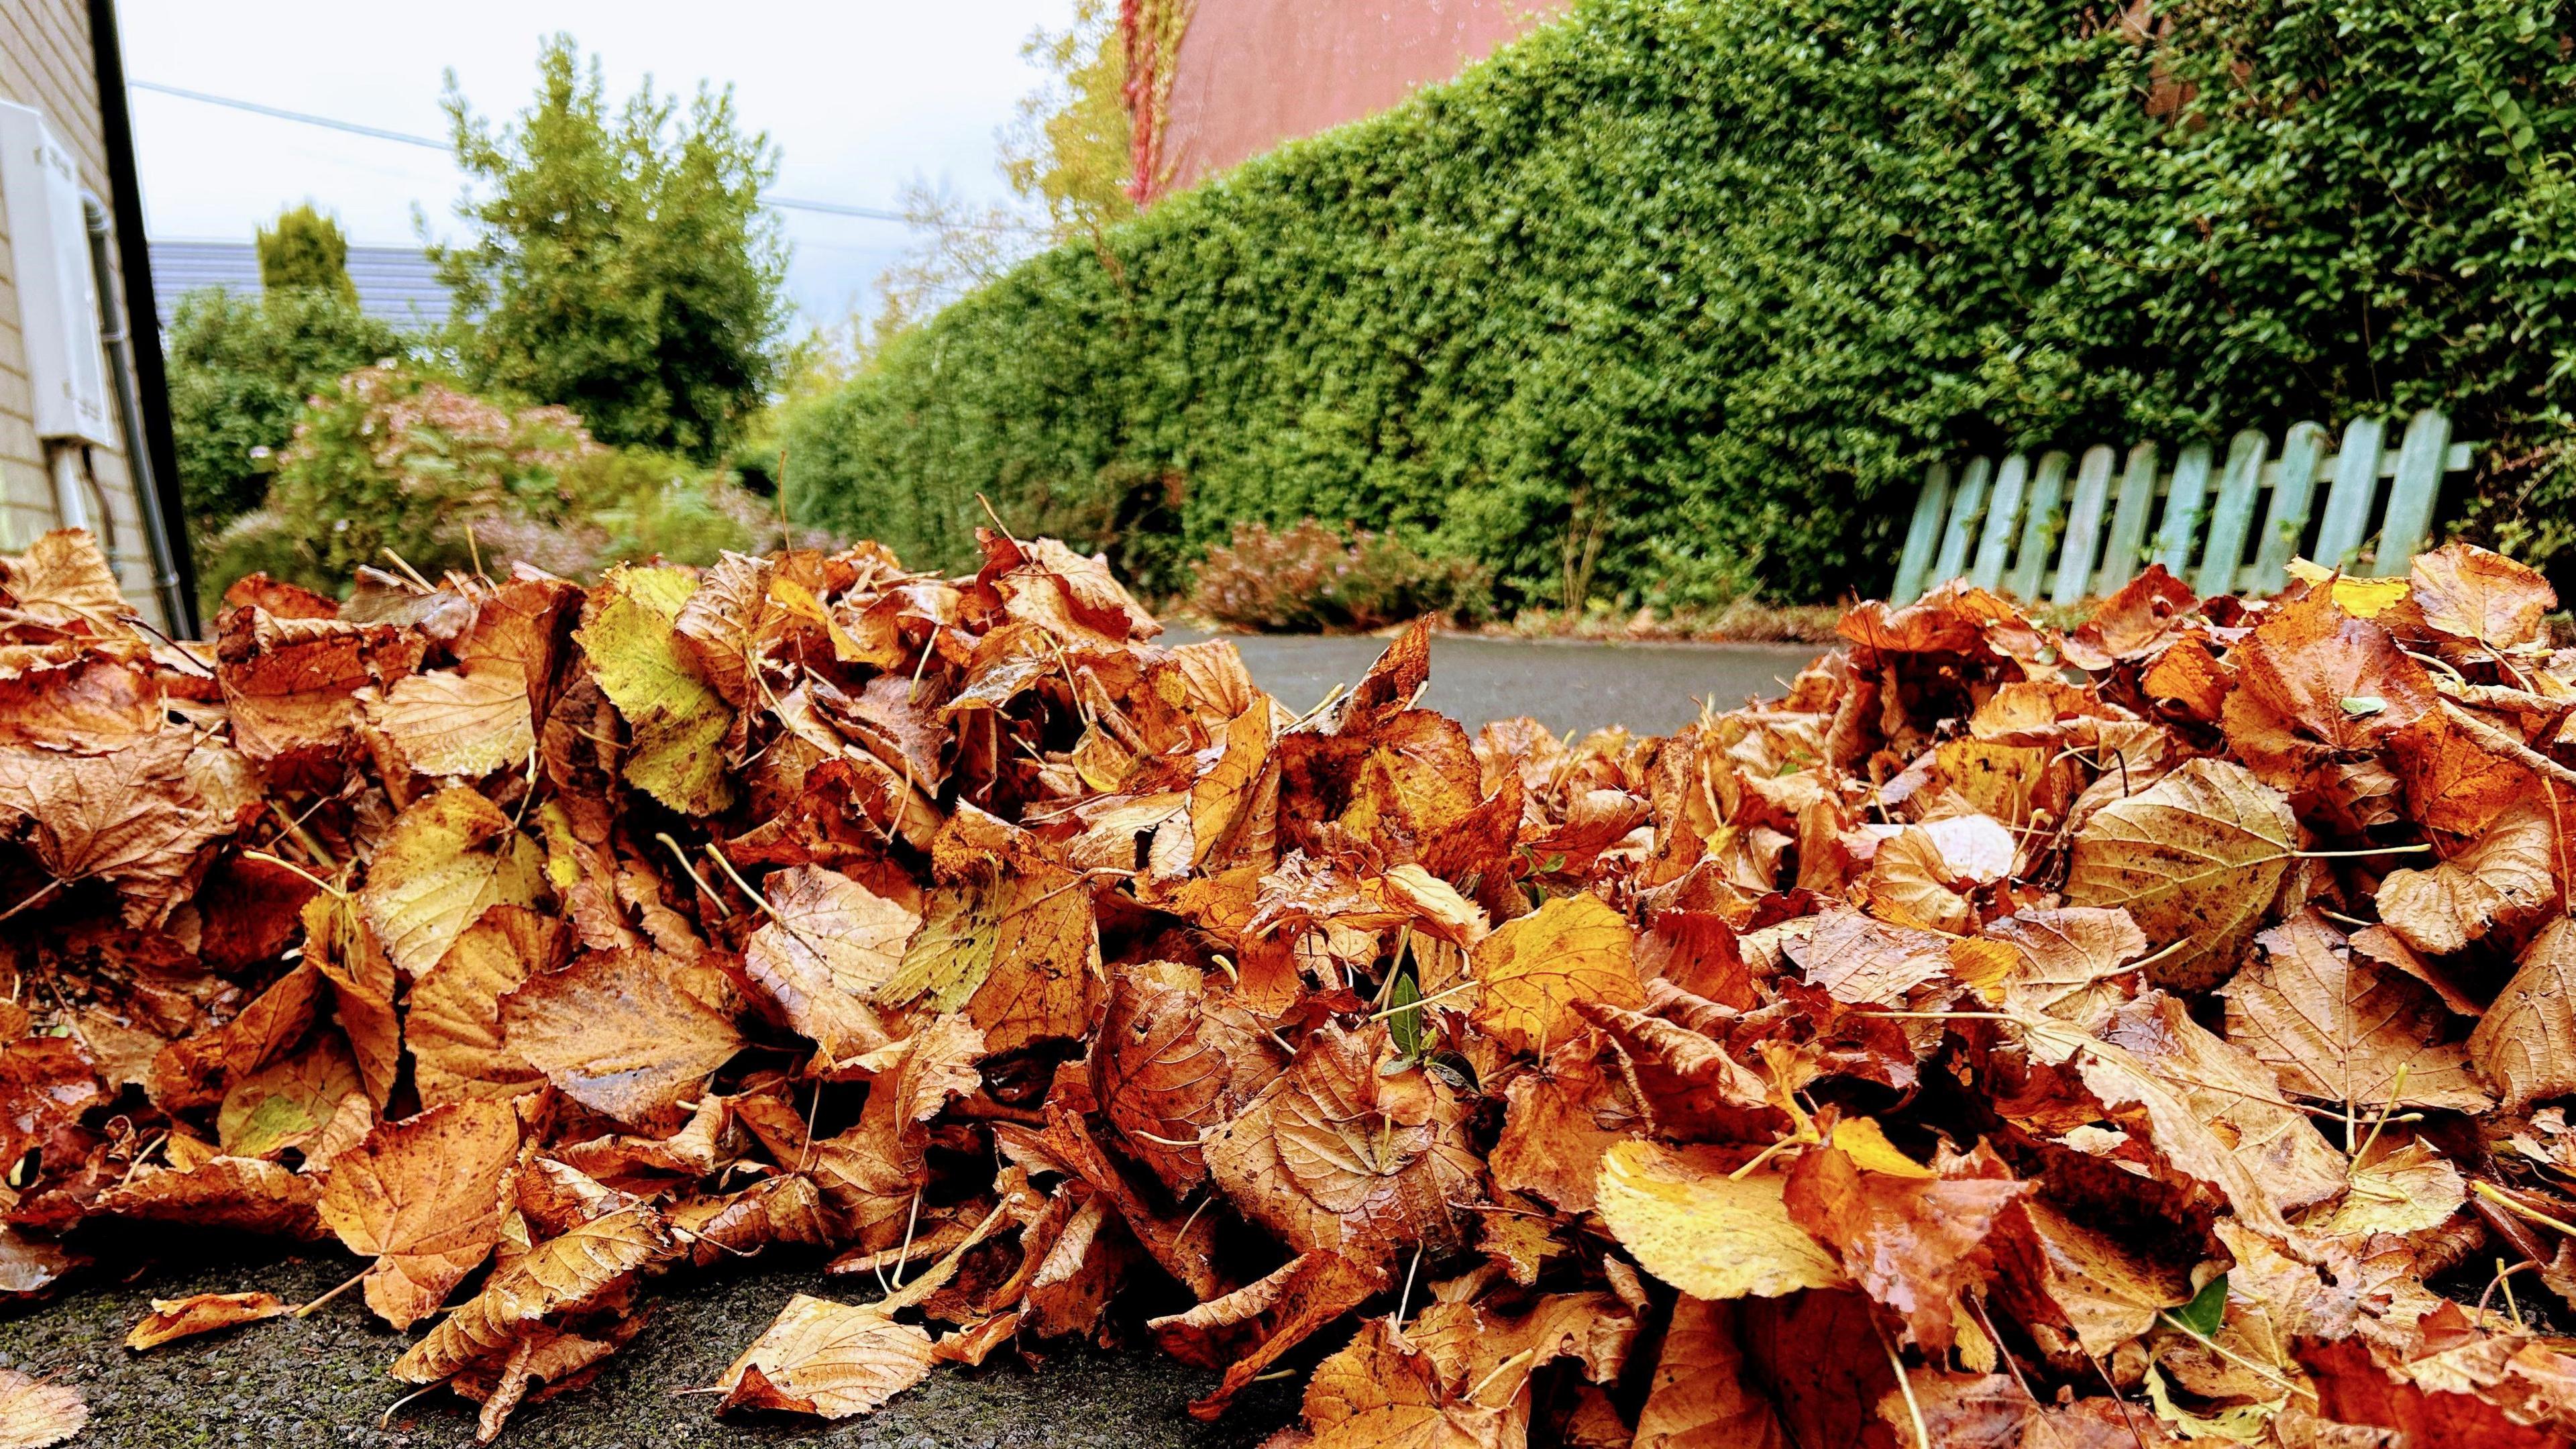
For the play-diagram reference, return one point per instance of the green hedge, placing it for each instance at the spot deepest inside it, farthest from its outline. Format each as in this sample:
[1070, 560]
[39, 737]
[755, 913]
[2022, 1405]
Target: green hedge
[1720, 275]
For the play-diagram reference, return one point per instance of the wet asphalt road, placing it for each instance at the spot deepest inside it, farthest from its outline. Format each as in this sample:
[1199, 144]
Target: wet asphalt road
[322, 1381]
[1567, 685]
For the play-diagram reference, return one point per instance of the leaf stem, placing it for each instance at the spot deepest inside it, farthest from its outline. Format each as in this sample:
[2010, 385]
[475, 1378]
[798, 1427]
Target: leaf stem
[307, 1310]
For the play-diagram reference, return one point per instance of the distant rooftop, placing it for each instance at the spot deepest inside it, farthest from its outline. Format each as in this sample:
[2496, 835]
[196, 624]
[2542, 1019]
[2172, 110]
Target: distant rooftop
[397, 284]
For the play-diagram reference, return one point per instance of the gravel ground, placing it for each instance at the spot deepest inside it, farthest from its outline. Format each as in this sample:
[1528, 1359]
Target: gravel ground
[322, 1380]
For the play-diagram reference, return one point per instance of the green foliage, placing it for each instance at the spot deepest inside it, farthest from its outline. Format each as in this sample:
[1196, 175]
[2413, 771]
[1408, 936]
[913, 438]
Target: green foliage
[621, 265]
[1069, 148]
[240, 370]
[1310, 577]
[393, 459]
[305, 251]
[1726, 274]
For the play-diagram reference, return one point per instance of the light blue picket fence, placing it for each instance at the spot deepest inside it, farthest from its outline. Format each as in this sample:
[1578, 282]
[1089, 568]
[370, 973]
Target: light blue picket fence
[2014, 527]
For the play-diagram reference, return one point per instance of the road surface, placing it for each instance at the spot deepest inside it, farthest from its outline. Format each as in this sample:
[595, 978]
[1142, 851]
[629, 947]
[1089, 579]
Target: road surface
[1567, 685]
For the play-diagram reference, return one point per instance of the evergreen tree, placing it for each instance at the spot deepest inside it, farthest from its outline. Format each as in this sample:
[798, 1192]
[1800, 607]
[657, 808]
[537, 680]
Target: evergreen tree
[620, 264]
[305, 251]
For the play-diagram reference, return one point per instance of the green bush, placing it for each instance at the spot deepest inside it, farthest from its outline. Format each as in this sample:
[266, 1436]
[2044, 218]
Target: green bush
[1731, 271]
[305, 251]
[240, 369]
[390, 459]
[1309, 577]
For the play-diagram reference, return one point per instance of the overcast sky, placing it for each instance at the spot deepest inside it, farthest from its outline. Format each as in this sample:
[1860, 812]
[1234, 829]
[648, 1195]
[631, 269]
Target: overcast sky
[859, 95]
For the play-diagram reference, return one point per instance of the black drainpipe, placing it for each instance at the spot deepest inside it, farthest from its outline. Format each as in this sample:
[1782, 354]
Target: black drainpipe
[131, 328]
[175, 602]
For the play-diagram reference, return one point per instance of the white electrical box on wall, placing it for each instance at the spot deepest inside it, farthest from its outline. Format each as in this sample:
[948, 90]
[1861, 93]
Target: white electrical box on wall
[40, 191]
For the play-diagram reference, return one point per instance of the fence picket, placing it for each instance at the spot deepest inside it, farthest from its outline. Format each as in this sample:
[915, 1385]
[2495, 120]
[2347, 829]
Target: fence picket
[2233, 517]
[1967, 511]
[2182, 508]
[2129, 526]
[2003, 518]
[2040, 522]
[1923, 535]
[2356, 487]
[2286, 521]
[2410, 498]
[2083, 526]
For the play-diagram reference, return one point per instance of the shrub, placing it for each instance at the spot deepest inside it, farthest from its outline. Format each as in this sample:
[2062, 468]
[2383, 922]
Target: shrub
[240, 369]
[391, 459]
[1733, 271]
[1310, 577]
[305, 251]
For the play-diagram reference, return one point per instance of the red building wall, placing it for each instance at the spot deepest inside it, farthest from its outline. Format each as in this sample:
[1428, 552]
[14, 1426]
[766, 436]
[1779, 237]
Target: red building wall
[1249, 74]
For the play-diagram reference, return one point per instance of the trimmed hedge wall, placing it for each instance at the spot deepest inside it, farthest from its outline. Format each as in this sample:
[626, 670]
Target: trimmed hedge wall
[1716, 277]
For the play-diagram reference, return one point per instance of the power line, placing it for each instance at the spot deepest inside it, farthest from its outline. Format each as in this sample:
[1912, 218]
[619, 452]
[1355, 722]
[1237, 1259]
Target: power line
[784, 203]
[255, 108]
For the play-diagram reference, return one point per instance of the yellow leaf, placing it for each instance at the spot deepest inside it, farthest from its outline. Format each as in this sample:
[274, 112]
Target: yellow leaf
[2396, 1188]
[677, 719]
[1711, 1236]
[2361, 598]
[1863, 1141]
[448, 859]
[1531, 971]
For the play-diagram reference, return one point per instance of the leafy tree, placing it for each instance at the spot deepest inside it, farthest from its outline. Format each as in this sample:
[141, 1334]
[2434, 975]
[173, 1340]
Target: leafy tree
[240, 369]
[1070, 147]
[306, 252]
[620, 263]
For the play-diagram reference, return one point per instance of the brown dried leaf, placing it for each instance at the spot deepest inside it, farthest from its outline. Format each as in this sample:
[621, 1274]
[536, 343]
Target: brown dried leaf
[172, 1319]
[2507, 877]
[1702, 1396]
[616, 1032]
[2479, 596]
[562, 1275]
[34, 1413]
[831, 944]
[2199, 855]
[1170, 1061]
[829, 1359]
[2340, 1029]
[423, 1198]
[134, 818]
[1338, 1156]
[2525, 1045]
[458, 1051]
[1912, 1242]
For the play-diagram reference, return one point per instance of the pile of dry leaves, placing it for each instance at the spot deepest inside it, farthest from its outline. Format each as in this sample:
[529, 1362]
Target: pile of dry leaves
[1946, 1054]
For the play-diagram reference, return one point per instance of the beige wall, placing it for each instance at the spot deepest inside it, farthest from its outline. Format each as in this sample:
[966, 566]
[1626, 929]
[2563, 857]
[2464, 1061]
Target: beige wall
[46, 62]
